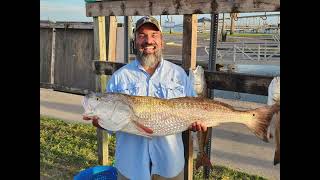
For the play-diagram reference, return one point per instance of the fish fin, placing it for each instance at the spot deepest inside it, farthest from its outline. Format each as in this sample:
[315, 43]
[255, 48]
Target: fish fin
[143, 128]
[203, 160]
[276, 159]
[263, 116]
[270, 135]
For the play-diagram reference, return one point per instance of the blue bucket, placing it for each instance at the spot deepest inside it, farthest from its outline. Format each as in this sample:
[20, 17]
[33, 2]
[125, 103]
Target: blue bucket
[97, 173]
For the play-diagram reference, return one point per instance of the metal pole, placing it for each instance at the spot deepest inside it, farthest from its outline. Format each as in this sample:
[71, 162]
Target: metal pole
[126, 39]
[234, 53]
[258, 52]
[170, 26]
[211, 67]
[222, 28]
[213, 42]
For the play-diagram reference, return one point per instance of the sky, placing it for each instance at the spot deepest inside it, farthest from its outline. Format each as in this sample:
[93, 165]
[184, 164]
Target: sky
[74, 10]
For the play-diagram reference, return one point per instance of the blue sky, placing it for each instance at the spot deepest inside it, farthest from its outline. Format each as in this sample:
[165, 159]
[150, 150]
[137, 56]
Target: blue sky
[63, 10]
[74, 10]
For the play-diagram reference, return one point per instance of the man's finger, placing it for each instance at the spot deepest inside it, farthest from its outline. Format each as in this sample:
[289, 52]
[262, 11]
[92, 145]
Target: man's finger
[198, 127]
[95, 123]
[86, 118]
[191, 127]
[95, 118]
[204, 128]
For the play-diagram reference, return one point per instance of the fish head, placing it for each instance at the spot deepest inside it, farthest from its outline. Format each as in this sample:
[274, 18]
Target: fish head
[113, 112]
[90, 101]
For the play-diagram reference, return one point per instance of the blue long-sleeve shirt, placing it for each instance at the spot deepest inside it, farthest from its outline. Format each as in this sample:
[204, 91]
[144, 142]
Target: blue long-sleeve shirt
[134, 154]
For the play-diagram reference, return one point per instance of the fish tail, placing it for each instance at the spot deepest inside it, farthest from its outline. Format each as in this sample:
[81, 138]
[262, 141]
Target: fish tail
[276, 159]
[277, 140]
[203, 160]
[263, 116]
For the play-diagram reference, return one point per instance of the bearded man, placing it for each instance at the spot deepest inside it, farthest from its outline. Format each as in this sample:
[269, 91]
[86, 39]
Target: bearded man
[137, 157]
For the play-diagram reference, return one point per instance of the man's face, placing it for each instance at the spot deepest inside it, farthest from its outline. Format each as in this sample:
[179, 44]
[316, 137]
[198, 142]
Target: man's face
[149, 45]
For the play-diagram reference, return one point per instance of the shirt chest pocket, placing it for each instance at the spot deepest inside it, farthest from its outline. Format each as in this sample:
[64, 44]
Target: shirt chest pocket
[173, 90]
[131, 89]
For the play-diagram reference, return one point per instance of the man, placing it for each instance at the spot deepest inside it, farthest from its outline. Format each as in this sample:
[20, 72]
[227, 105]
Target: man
[137, 157]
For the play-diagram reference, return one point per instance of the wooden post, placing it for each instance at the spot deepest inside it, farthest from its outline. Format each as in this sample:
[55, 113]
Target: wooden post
[100, 54]
[104, 31]
[189, 48]
[189, 45]
[53, 52]
[233, 16]
[112, 38]
[203, 27]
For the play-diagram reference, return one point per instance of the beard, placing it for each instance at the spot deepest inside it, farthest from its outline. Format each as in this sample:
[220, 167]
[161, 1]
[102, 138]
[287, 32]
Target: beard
[149, 60]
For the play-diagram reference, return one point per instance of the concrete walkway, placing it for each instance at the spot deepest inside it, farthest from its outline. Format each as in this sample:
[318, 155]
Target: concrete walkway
[233, 145]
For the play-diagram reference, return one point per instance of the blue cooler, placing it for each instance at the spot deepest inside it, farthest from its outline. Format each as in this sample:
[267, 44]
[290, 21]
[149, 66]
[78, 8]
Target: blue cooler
[97, 173]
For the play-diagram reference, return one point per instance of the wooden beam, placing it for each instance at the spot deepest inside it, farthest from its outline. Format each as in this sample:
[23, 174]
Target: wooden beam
[45, 85]
[67, 25]
[71, 90]
[237, 82]
[106, 67]
[180, 7]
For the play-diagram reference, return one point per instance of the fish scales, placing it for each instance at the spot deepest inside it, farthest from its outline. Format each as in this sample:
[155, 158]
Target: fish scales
[187, 111]
[160, 117]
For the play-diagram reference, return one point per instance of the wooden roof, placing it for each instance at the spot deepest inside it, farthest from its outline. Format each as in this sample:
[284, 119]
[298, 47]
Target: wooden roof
[177, 7]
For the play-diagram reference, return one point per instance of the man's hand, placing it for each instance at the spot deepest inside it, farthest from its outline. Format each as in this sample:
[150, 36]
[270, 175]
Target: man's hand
[94, 120]
[198, 126]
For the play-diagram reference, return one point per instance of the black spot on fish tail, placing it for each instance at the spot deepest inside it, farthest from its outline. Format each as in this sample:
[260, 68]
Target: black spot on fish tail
[261, 120]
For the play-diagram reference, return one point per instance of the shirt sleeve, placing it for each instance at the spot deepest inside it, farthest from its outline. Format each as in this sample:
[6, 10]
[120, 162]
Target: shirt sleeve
[111, 85]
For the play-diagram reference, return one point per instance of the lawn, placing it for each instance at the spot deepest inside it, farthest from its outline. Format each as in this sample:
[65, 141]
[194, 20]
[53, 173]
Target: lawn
[67, 148]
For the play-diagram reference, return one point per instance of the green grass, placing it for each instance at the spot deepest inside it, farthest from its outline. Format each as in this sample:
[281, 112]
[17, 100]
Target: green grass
[67, 148]
[224, 173]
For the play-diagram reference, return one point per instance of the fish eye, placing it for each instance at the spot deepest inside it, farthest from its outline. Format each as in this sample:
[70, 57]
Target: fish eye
[253, 114]
[97, 98]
